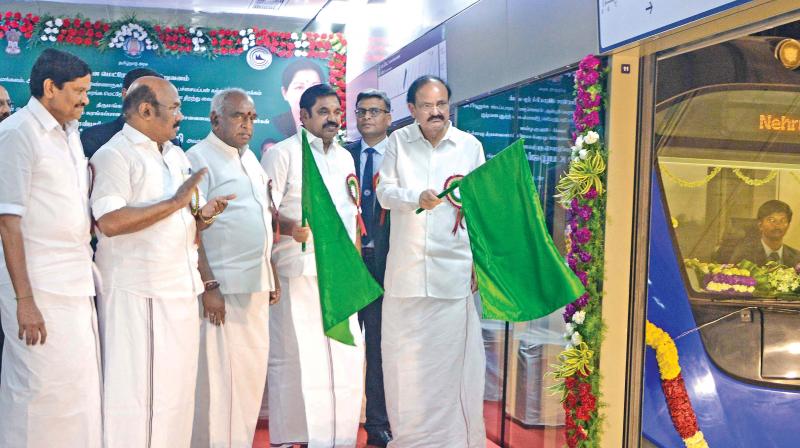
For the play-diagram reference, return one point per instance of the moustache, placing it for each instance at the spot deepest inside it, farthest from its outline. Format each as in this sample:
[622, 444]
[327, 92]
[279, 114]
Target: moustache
[4, 115]
[436, 117]
[177, 125]
[331, 124]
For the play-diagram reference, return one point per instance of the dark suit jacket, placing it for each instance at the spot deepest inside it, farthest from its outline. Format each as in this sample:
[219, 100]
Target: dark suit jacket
[381, 232]
[752, 250]
[93, 137]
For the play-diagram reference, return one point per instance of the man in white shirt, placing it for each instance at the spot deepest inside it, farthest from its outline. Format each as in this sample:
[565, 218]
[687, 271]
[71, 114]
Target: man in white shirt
[315, 383]
[147, 253]
[5, 104]
[50, 384]
[234, 340]
[433, 358]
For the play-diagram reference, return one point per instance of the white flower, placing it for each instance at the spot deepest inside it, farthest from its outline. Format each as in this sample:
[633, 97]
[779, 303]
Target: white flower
[136, 34]
[591, 137]
[44, 37]
[191, 30]
[155, 47]
[196, 48]
[200, 40]
[298, 53]
[148, 41]
[252, 37]
[198, 33]
[59, 22]
[148, 47]
[245, 47]
[583, 154]
[245, 41]
[579, 142]
[570, 328]
[52, 38]
[126, 33]
[203, 48]
[303, 36]
[47, 31]
[49, 23]
[194, 40]
[576, 338]
[242, 33]
[569, 346]
[143, 35]
[118, 33]
[305, 44]
[579, 317]
[295, 36]
[124, 29]
[249, 31]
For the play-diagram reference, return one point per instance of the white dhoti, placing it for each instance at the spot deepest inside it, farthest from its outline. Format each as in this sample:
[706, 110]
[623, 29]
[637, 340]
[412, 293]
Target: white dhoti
[316, 384]
[231, 373]
[150, 369]
[50, 394]
[433, 370]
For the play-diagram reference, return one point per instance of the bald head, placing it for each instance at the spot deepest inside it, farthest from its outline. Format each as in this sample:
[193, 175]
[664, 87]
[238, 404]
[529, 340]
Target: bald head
[233, 114]
[152, 106]
[5, 104]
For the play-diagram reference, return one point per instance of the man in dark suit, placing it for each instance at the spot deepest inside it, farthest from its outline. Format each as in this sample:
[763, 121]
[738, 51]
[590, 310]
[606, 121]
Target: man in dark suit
[98, 135]
[774, 217]
[373, 109]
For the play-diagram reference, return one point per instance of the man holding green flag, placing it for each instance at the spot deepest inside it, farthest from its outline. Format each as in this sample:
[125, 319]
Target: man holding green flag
[316, 347]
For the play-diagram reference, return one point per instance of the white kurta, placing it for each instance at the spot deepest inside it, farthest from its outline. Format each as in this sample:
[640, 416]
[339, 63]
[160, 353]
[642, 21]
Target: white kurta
[433, 358]
[149, 311]
[315, 383]
[49, 394]
[233, 357]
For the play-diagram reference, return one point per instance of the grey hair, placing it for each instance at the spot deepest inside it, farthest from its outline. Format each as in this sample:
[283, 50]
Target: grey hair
[221, 97]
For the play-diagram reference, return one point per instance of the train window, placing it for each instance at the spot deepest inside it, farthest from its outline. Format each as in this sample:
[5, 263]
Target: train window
[728, 159]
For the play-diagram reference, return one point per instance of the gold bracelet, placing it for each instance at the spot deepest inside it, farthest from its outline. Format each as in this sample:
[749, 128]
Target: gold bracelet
[23, 298]
[206, 221]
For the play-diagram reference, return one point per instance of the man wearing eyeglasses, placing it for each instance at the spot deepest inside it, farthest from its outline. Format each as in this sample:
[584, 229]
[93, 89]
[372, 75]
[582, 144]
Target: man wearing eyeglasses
[431, 336]
[5, 111]
[148, 210]
[773, 217]
[373, 118]
[316, 384]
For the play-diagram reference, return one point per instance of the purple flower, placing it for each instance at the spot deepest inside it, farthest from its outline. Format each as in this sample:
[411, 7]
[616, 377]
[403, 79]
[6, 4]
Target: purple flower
[573, 225]
[585, 212]
[574, 205]
[591, 194]
[568, 312]
[582, 235]
[583, 277]
[585, 257]
[590, 62]
[590, 77]
[572, 262]
[592, 119]
[582, 300]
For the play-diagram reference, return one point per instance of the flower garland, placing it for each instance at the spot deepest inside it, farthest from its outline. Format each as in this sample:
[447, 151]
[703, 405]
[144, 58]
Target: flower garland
[678, 403]
[179, 40]
[755, 182]
[692, 183]
[581, 191]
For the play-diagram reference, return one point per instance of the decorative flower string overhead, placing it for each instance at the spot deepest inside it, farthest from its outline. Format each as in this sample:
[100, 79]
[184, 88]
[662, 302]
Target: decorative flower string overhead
[678, 403]
[133, 35]
[582, 191]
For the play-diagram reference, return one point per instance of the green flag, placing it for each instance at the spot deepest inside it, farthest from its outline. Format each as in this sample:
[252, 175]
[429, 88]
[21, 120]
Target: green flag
[521, 276]
[345, 284]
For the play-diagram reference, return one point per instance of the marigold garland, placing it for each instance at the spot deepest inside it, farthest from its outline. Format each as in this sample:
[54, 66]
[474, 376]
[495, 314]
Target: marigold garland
[678, 403]
[693, 183]
[582, 191]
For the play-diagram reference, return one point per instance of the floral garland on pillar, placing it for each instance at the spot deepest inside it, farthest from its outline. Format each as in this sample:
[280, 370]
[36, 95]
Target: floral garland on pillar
[680, 408]
[581, 191]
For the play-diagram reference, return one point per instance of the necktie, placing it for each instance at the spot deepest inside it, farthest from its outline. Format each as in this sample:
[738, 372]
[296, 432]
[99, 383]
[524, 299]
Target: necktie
[367, 197]
[774, 256]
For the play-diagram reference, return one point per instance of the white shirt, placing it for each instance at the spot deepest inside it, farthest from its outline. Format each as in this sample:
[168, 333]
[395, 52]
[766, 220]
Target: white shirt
[44, 179]
[768, 251]
[238, 244]
[160, 260]
[425, 258]
[283, 164]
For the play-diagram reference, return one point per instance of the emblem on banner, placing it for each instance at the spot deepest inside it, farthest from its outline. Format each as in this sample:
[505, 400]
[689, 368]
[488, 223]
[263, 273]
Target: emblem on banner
[13, 41]
[133, 48]
[259, 58]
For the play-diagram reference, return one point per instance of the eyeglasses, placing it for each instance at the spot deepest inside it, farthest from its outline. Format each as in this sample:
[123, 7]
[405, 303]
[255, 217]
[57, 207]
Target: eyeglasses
[174, 110]
[372, 112]
[428, 107]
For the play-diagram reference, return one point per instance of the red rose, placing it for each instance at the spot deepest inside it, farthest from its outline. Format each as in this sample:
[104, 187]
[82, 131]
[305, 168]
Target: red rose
[106, 27]
[35, 19]
[60, 38]
[87, 24]
[181, 29]
[8, 14]
[87, 41]
[17, 15]
[212, 33]
[66, 23]
[2, 34]
[28, 35]
[98, 35]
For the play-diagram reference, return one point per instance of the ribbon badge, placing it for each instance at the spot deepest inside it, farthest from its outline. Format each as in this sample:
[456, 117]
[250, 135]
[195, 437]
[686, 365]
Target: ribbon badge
[354, 190]
[453, 196]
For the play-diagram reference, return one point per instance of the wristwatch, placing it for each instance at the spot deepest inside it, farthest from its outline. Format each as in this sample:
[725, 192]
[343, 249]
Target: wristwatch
[210, 285]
